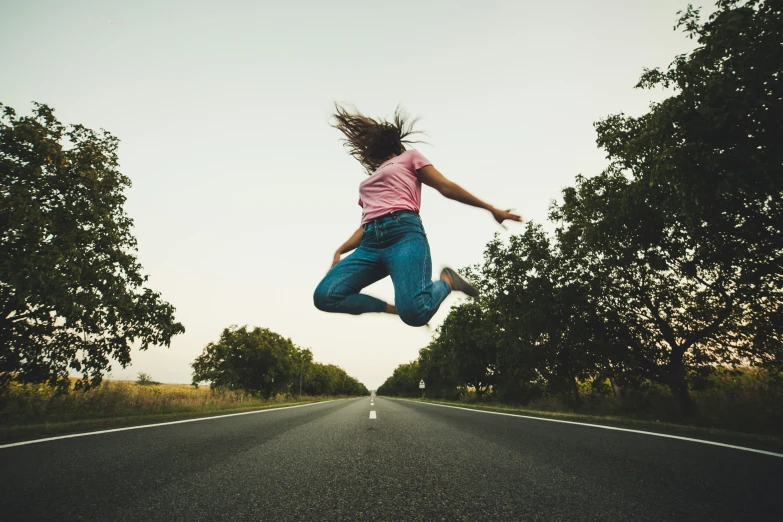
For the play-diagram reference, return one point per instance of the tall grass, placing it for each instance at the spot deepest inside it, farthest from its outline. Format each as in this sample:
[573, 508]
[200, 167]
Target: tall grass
[38, 404]
[741, 399]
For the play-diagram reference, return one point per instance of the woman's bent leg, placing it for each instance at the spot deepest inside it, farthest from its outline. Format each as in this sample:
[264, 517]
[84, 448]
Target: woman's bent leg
[339, 290]
[416, 295]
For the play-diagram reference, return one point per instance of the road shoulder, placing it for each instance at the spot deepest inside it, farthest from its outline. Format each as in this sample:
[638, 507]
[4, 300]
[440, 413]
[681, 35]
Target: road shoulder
[761, 442]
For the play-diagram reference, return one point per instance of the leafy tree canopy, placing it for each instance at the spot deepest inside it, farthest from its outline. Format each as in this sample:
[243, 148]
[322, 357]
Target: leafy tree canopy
[260, 360]
[72, 294]
[669, 262]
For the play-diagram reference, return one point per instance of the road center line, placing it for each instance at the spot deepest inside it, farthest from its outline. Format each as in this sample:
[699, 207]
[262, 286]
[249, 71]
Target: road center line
[372, 415]
[74, 435]
[614, 428]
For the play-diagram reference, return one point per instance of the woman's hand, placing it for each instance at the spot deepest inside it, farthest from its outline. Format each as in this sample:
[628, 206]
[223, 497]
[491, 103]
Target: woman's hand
[353, 242]
[502, 215]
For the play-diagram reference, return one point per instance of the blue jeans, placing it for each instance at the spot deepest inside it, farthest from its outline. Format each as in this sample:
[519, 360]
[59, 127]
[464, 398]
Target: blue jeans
[395, 245]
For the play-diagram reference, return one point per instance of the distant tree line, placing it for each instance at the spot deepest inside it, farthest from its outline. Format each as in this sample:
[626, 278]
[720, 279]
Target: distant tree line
[262, 361]
[663, 267]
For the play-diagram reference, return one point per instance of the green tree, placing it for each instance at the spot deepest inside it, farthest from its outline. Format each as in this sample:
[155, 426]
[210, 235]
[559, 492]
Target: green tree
[683, 230]
[144, 379]
[540, 305]
[303, 360]
[470, 337]
[262, 361]
[256, 360]
[328, 379]
[318, 380]
[669, 261]
[718, 149]
[71, 290]
[404, 381]
[436, 368]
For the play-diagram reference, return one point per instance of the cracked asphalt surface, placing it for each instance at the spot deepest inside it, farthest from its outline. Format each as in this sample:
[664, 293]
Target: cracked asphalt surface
[330, 461]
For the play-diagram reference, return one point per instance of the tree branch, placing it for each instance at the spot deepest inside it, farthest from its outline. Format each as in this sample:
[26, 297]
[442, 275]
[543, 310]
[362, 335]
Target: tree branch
[666, 330]
[724, 314]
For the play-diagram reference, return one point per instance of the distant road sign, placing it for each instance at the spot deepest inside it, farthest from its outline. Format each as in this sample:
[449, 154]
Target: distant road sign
[421, 384]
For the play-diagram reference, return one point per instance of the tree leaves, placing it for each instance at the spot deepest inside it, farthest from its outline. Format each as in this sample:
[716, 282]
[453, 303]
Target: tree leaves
[70, 284]
[260, 360]
[671, 259]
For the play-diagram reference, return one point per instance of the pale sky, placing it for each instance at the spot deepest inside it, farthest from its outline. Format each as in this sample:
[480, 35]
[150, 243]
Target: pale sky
[241, 190]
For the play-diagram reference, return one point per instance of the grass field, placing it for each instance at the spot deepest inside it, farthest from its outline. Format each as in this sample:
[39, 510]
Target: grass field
[739, 400]
[35, 410]
[746, 400]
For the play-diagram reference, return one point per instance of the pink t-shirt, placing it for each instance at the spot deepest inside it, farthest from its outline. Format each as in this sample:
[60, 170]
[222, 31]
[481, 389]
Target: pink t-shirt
[395, 185]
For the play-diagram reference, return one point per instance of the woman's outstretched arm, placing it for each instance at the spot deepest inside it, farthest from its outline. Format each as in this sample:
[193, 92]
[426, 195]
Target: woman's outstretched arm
[353, 242]
[429, 175]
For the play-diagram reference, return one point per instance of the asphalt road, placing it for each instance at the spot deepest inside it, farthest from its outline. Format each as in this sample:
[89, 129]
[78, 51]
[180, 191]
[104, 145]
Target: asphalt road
[331, 461]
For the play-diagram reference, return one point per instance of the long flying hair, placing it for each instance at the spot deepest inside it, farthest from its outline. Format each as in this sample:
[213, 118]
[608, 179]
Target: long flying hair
[373, 141]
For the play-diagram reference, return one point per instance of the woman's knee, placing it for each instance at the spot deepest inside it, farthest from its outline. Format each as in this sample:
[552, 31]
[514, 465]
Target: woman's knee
[322, 298]
[414, 316]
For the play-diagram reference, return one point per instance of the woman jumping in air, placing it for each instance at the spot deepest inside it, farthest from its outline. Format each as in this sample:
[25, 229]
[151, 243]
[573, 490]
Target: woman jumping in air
[391, 239]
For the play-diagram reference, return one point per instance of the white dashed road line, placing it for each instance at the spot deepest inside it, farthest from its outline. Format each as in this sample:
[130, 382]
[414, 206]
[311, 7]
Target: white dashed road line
[372, 415]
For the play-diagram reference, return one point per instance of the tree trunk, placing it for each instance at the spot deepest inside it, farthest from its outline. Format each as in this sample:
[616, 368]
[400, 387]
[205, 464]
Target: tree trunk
[575, 391]
[680, 391]
[618, 392]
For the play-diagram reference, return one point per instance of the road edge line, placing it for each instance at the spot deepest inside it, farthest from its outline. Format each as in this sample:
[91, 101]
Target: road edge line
[614, 428]
[142, 426]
